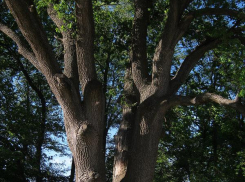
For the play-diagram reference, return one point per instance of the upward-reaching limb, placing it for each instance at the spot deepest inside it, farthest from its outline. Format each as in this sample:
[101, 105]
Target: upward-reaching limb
[190, 62]
[139, 49]
[85, 42]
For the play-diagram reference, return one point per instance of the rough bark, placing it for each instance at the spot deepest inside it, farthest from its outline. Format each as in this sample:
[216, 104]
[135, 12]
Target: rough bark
[138, 52]
[84, 121]
[146, 99]
[145, 138]
[22, 47]
[85, 42]
[130, 101]
[69, 43]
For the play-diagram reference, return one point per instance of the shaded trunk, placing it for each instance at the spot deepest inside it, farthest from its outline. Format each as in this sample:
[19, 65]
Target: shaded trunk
[72, 175]
[137, 141]
[41, 136]
[145, 139]
[123, 140]
[124, 135]
[20, 174]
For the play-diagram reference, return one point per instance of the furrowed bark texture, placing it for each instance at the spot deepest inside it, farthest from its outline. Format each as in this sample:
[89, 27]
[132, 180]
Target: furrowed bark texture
[146, 133]
[156, 95]
[124, 135]
[147, 98]
[85, 42]
[84, 120]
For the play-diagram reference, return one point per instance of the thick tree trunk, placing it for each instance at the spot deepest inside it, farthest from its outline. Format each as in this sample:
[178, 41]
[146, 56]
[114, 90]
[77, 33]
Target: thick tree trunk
[87, 151]
[145, 140]
[123, 140]
[85, 129]
[124, 135]
[84, 120]
[137, 141]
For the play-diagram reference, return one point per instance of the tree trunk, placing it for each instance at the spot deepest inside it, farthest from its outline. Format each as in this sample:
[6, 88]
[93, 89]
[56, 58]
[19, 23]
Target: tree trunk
[137, 141]
[124, 135]
[85, 128]
[87, 151]
[145, 140]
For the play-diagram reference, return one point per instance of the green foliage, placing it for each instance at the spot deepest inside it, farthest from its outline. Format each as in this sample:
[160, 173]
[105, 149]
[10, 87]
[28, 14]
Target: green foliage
[204, 143]
[64, 9]
[21, 118]
[112, 41]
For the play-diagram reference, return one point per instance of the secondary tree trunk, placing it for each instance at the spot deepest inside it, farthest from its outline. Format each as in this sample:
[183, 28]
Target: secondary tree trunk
[123, 138]
[145, 140]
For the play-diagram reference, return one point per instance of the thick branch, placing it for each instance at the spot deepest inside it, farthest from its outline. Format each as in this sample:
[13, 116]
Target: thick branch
[70, 60]
[54, 16]
[186, 21]
[85, 42]
[190, 62]
[164, 52]
[22, 48]
[218, 11]
[139, 50]
[206, 98]
[26, 17]
[174, 30]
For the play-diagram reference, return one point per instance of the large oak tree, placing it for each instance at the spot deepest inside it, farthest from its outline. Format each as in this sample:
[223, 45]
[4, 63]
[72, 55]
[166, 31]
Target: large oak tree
[149, 89]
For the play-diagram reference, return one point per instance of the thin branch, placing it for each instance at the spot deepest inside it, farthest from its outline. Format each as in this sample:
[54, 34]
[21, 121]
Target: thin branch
[190, 62]
[41, 133]
[22, 47]
[206, 98]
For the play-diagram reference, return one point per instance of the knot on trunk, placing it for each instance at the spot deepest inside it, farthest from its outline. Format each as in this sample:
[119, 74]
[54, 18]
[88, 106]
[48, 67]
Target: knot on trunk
[89, 176]
[93, 175]
[32, 8]
[83, 129]
[62, 80]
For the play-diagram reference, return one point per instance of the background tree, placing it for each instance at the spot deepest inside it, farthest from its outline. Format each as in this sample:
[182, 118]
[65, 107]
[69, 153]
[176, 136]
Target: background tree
[153, 80]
